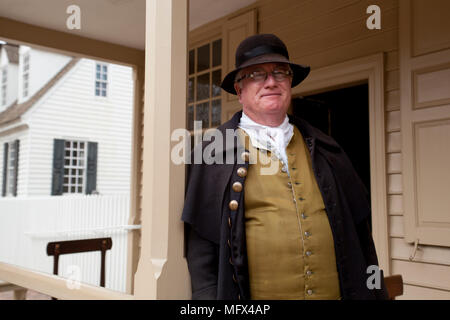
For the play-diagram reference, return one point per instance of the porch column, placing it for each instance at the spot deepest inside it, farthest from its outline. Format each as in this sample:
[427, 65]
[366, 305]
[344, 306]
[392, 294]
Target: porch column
[162, 270]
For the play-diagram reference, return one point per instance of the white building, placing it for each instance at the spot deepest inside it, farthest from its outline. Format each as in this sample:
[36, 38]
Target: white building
[65, 124]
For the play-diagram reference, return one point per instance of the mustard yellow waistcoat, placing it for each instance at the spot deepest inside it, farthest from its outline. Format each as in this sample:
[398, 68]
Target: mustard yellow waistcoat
[289, 240]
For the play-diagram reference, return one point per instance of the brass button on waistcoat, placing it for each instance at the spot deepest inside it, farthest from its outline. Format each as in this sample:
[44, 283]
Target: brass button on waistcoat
[245, 156]
[310, 292]
[233, 205]
[242, 172]
[237, 187]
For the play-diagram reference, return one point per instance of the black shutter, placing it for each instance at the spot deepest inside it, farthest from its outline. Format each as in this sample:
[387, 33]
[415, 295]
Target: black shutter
[58, 167]
[5, 165]
[91, 170]
[16, 166]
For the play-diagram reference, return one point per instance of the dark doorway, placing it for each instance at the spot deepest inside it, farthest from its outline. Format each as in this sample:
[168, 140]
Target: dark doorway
[344, 115]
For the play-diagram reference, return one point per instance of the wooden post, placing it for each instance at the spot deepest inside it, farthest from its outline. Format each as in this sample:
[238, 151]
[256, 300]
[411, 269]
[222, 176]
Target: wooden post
[162, 270]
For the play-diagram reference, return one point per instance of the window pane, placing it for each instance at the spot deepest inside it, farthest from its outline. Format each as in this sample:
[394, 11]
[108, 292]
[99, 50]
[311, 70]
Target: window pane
[203, 58]
[203, 87]
[105, 68]
[104, 85]
[217, 53]
[202, 114]
[98, 67]
[215, 113]
[191, 61]
[191, 90]
[97, 92]
[190, 118]
[104, 76]
[98, 76]
[216, 77]
[104, 93]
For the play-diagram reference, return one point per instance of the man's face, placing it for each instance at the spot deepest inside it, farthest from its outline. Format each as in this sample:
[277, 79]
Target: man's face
[266, 98]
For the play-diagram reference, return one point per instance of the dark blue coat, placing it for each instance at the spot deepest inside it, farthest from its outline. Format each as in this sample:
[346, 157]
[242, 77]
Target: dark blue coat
[215, 235]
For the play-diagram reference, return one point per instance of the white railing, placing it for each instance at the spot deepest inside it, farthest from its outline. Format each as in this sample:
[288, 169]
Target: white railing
[28, 224]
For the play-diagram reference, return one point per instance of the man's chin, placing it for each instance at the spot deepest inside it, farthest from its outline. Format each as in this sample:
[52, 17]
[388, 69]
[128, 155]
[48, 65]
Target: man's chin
[274, 109]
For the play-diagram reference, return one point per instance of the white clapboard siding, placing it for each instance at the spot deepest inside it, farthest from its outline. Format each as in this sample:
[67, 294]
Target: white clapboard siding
[423, 274]
[423, 293]
[70, 110]
[28, 224]
[428, 254]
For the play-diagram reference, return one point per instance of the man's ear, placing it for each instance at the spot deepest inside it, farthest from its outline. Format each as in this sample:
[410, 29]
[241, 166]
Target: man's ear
[238, 89]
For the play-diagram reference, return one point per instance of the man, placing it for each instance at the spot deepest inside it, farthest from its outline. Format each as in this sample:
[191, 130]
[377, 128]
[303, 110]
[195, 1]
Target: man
[298, 231]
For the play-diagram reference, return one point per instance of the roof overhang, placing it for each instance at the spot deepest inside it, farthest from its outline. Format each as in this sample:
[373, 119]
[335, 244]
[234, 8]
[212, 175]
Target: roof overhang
[120, 22]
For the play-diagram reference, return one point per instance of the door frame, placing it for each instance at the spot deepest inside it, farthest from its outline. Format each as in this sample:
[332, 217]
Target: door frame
[368, 69]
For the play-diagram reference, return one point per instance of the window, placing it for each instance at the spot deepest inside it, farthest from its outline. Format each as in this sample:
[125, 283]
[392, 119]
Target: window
[4, 85]
[74, 167]
[25, 74]
[10, 168]
[204, 92]
[101, 80]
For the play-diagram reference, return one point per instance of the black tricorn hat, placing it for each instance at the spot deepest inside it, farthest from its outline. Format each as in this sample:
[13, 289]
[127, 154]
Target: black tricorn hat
[262, 48]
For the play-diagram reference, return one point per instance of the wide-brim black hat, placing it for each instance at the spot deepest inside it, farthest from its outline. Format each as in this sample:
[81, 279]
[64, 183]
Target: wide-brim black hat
[262, 48]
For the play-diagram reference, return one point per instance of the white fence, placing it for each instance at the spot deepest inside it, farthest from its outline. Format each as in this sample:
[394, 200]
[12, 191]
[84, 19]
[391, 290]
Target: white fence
[28, 224]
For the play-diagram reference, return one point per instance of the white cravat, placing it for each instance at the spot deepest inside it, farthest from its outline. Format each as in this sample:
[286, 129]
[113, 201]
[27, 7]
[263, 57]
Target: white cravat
[273, 139]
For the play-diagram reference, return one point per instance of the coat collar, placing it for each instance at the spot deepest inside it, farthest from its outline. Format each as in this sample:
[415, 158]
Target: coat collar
[311, 135]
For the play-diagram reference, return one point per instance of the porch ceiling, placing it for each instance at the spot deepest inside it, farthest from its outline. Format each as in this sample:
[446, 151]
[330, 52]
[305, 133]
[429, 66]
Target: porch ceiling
[116, 21]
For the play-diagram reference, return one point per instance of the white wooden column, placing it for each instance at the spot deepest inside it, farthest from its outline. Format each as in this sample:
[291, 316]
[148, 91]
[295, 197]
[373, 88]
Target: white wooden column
[162, 270]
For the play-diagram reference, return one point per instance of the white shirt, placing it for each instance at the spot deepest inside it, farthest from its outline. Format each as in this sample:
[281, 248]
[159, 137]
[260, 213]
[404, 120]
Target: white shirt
[273, 139]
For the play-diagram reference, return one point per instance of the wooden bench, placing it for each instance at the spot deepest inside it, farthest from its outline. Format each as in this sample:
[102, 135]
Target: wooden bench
[58, 248]
[394, 286]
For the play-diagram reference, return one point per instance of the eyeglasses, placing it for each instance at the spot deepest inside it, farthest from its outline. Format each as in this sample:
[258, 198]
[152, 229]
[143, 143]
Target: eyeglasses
[261, 76]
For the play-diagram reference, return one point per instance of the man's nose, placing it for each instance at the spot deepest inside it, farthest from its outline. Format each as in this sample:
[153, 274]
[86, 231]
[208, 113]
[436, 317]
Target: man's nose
[270, 80]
